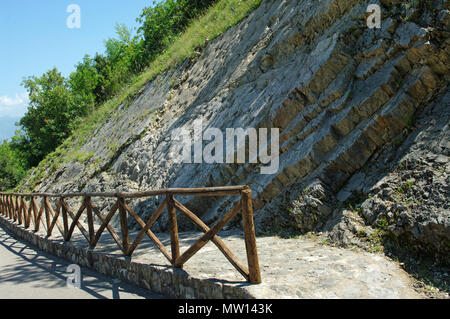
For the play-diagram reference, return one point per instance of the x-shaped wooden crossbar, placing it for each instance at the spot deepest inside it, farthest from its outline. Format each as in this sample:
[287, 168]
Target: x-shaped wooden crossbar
[15, 207]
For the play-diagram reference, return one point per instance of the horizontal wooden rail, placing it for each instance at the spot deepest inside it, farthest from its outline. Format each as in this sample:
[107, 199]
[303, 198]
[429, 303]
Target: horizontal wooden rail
[205, 191]
[24, 209]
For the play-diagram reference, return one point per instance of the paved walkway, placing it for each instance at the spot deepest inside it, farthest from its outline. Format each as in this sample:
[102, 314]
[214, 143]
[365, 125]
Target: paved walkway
[27, 273]
[298, 268]
[290, 268]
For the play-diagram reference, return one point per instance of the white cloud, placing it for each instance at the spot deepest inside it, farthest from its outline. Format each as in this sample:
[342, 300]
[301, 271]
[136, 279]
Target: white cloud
[14, 107]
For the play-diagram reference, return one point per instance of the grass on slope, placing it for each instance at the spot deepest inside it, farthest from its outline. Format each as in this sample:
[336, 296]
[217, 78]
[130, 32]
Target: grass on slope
[218, 19]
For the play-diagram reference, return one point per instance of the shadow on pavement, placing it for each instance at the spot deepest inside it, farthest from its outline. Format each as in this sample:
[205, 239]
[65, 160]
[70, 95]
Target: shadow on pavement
[44, 271]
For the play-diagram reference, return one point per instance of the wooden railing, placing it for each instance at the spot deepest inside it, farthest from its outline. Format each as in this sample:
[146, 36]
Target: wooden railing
[16, 207]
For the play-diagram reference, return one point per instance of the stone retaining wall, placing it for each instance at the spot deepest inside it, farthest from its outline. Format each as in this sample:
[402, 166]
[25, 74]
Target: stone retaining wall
[165, 280]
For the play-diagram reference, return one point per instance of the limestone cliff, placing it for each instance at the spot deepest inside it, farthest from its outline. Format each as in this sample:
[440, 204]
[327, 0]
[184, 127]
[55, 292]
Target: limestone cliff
[338, 90]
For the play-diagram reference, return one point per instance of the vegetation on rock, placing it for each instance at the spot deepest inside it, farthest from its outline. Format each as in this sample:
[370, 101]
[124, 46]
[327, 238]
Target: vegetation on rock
[63, 112]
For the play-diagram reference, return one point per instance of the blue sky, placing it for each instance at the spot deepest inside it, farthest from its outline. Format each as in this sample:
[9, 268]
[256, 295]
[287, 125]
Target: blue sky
[34, 38]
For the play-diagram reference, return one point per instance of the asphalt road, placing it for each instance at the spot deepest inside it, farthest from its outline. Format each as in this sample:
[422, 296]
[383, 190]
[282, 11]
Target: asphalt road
[28, 273]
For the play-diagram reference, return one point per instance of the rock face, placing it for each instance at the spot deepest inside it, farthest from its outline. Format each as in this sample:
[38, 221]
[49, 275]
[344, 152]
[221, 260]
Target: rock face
[405, 189]
[337, 90]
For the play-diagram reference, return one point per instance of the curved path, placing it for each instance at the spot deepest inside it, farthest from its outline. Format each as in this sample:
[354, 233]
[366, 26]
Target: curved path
[296, 268]
[28, 273]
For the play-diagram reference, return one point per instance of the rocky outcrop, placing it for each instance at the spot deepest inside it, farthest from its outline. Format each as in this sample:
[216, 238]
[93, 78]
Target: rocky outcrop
[405, 190]
[337, 90]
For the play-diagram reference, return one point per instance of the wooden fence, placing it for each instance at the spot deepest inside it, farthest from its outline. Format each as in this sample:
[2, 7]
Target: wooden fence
[24, 209]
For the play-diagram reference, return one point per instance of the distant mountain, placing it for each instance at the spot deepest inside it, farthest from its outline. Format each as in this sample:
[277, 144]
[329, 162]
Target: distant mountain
[7, 127]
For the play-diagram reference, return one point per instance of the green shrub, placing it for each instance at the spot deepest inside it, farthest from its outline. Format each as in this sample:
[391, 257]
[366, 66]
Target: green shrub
[99, 85]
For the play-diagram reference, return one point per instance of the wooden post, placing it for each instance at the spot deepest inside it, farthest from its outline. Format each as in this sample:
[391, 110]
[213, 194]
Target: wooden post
[35, 209]
[13, 209]
[250, 239]
[7, 206]
[210, 234]
[26, 213]
[76, 223]
[146, 230]
[90, 218]
[19, 202]
[124, 226]
[9, 203]
[16, 207]
[54, 215]
[37, 221]
[2, 198]
[47, 213]
[65, 219]
[173, 229]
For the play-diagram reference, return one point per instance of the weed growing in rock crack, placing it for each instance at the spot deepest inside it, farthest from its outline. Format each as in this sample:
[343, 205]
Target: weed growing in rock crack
[405, 187]
[382, 223]
[289, 234]
[376, 240]
[402, 165]
[80, 156]
[305, 191]
[355, 209]
[411, 10]
[398, 140]
[402, 249]
[282, 232]
[354, 203]
[422, 267]
[361, 233]
[431, 276]
[264, 233]
[410, 121]
[216, 20]
[396, 213]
